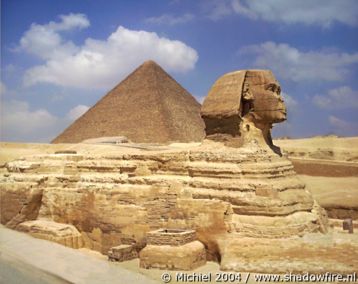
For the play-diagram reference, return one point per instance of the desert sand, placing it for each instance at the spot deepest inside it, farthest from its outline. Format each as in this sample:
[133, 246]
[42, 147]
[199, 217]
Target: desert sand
[330, 147]
[328, 166]
[22, 261]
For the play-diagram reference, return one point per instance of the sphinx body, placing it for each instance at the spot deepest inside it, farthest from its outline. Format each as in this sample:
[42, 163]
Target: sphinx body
[231, 193]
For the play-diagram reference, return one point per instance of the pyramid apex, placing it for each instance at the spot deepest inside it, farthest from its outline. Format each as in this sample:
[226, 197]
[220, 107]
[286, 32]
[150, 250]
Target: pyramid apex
[150, 63]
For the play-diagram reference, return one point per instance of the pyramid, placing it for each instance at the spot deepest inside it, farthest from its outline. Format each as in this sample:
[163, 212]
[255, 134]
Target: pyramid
[149, 106]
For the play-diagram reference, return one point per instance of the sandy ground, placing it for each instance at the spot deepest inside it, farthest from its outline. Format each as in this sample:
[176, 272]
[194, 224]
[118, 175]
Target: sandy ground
[331, 148]
[22, 260]
[327, 148]
[325, 168]
[332, 191]
[28, 260]
[10, 151]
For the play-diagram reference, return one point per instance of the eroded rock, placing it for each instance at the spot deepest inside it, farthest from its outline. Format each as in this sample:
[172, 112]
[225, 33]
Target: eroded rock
[242, 106]
[63, 234]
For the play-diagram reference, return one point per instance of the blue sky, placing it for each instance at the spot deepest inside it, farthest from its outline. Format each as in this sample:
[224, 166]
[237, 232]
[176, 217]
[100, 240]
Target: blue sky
[59, 57]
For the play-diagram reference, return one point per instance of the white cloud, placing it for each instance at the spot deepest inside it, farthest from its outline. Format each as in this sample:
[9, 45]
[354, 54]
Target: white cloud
[167, 19]
[290, 102]
[77, 111]
[46, 42]
[292, 64]
[2, 88]
[99, 63]
[339, 98]
[342, 127]
[69, 22]
[319, 12]
[18, 122]
[218, 9]
[336, 122]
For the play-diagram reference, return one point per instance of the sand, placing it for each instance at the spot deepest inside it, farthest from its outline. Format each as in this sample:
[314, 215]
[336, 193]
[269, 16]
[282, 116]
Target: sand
[22, 261]
[331, 148]
[333, 191]
[29, 259]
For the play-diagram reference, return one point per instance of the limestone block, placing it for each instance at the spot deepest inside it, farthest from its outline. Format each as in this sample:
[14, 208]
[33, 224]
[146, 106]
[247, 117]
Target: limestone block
[314, 253]
[122, 253]
[20, 201]
[63, 234]
[171, 237]
[185, 257]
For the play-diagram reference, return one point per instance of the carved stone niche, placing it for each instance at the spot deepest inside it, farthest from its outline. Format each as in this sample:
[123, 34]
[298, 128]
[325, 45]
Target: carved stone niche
[348, 225]
[172, 249]
[242, 106]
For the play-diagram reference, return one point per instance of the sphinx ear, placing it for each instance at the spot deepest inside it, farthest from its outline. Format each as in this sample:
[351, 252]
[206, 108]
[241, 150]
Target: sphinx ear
[246, 100]
[246, 93]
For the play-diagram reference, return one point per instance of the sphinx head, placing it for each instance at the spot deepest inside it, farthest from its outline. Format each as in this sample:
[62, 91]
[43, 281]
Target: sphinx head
[250, 97]
[265, 100]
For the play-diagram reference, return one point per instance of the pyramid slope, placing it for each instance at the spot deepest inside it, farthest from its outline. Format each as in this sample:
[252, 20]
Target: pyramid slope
[148, 106]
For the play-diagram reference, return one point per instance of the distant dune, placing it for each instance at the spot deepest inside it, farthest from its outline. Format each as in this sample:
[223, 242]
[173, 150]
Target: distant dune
[329, 167]
[323, 148]
[329, 149]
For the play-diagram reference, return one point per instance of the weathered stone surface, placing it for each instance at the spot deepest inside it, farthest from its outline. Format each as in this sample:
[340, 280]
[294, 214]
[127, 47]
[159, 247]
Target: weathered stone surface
[242, 106]
[122, 253]
[184, 257]
[213, 189]
[63, 234]
[20, 199]
[170, 237]
[314, 253]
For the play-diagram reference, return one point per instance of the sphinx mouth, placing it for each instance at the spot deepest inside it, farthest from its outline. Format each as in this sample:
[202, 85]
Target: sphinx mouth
[283, 111]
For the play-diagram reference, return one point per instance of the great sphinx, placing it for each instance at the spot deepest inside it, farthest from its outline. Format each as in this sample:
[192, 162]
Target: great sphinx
[232, 189]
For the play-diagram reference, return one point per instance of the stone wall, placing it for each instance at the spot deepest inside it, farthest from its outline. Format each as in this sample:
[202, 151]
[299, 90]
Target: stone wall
[122, 253]
[172, 237]
[185, 257]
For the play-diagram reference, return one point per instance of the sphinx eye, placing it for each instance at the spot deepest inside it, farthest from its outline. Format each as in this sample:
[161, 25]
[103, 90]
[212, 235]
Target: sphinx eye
[279, 90]
[271, 87]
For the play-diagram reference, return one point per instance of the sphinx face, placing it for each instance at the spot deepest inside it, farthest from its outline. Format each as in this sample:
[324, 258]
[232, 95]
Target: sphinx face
[267, 105]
